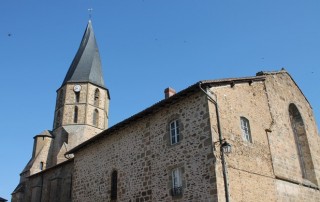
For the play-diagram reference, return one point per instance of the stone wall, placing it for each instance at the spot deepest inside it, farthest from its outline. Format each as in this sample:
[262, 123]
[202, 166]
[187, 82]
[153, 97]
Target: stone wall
[40, 154]
[102, 106]
[52, 185]
[282, 92]
[288, 191]
[268, 168]
[86, 105]
[71, 133]
[249, 162]
[144, 158]
[279, 162]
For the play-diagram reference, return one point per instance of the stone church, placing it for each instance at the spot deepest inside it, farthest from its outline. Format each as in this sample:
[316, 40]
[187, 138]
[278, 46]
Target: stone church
[239, 139]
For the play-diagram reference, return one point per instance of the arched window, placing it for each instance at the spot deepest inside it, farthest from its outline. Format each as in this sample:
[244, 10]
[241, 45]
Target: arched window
[95, 120]
[58, 119]
[75, 115]
[114, 184]
[77, 96]
[41, 165]
[245, 127]
[96, 97]
[302, 144]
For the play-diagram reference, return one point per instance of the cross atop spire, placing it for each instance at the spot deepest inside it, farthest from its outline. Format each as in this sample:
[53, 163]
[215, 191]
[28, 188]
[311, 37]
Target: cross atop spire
[86, 65]
[90, 12]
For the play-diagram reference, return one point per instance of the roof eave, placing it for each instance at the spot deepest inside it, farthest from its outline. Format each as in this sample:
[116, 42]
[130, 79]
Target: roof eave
[191, 89]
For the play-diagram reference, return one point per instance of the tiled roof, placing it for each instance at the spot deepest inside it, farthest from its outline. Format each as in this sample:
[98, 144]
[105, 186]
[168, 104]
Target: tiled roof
[165, 102]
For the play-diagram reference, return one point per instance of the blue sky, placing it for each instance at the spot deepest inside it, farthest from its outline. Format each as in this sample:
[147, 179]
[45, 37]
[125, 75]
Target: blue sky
[145, 46]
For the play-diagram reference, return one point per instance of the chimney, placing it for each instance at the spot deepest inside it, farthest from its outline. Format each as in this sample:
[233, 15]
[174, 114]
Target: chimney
[168, 92]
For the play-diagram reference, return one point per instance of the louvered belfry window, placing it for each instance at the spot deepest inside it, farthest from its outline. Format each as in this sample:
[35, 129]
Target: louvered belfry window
[77, 95]
[96, 97]
[75, 115]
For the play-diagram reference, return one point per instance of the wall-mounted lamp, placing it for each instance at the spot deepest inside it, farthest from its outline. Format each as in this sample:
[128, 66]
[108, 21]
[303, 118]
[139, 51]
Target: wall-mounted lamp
[226, 147]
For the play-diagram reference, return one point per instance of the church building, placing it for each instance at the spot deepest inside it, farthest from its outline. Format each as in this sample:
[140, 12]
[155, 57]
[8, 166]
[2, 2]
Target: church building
[238, 139]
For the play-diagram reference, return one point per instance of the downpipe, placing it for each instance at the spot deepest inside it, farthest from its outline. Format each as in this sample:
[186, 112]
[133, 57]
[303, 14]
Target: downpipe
[223, 161]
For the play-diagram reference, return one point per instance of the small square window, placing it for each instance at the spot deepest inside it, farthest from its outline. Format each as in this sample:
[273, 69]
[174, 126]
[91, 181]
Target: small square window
[174, 132]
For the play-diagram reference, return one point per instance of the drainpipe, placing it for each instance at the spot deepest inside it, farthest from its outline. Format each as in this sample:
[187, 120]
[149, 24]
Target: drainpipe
[223, 161]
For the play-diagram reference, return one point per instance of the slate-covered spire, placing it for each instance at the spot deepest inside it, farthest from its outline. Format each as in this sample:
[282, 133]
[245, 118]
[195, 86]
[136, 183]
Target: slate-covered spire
[86, 65]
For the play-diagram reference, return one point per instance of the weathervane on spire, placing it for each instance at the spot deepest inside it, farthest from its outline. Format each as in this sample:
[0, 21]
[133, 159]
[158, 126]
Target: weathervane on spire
[90, 13]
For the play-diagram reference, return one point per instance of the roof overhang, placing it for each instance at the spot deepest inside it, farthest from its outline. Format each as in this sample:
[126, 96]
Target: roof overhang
[165, 102]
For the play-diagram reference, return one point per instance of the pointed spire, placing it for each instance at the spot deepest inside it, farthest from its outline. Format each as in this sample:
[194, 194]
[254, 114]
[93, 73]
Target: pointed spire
[86, 65]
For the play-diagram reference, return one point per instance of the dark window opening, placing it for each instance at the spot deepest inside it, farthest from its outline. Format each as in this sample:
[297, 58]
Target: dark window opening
[41, 165]
[114, 182]
[96, 97]
[75, 115]
[77, 94]
[95, 120]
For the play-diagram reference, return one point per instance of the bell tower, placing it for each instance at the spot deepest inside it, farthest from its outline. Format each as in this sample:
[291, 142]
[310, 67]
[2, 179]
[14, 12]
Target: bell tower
[82, 100]
[81, 112]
